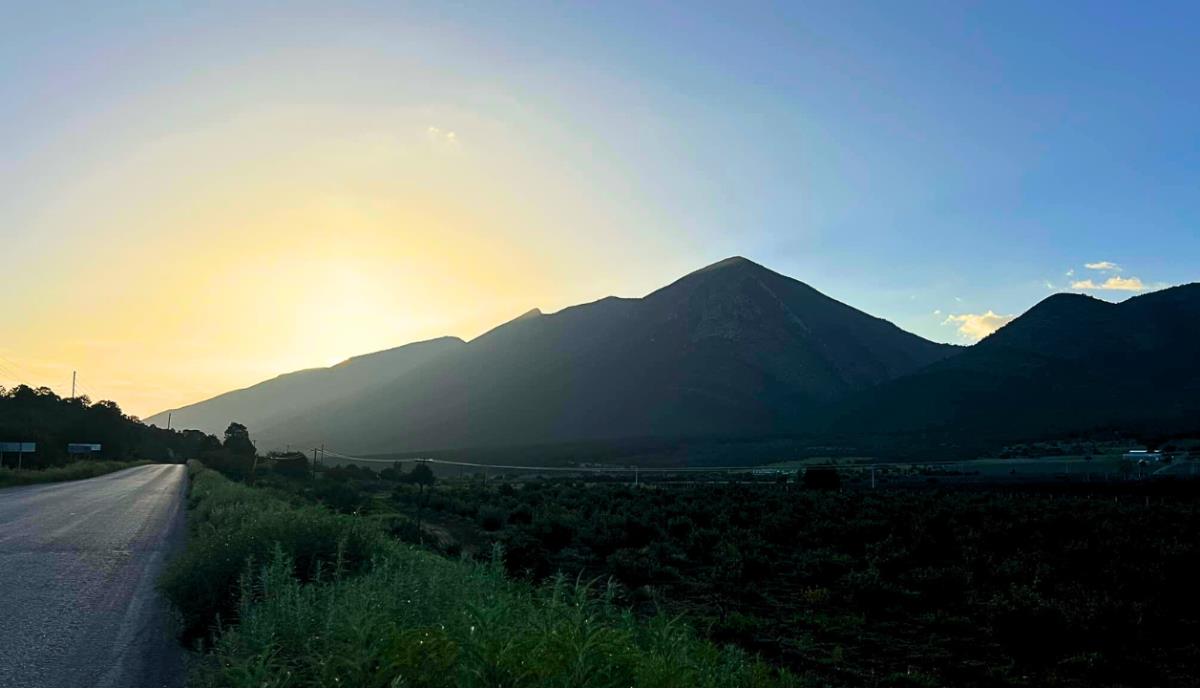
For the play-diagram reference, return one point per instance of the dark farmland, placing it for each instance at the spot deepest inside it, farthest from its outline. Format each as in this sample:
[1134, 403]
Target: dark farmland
[937, 576]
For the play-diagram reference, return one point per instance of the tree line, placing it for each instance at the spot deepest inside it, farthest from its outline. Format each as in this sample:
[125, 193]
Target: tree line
[52, 422]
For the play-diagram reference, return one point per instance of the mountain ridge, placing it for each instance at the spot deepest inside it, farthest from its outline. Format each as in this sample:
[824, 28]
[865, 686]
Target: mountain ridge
[1071, 364]
[735, 351]
[731, 348]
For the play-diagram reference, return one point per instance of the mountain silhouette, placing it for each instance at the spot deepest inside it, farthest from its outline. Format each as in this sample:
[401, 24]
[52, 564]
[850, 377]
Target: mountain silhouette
[1070, 364]
[733, 349]
[277, 400]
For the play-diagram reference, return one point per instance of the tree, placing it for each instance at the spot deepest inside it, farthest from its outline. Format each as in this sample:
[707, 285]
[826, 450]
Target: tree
[52, 422]
[422, 476]
[237, 440]
[293, 465]
[392, 473]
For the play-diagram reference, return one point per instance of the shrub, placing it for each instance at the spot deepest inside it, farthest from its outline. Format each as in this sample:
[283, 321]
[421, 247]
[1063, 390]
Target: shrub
[232, 526]
[70, 472]
[339, 496]
[492, 518]
[340, 605]
[417, 619]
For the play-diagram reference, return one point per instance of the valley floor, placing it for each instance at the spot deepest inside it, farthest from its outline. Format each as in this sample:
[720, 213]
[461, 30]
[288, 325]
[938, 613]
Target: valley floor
[329, 600]
[936, 576]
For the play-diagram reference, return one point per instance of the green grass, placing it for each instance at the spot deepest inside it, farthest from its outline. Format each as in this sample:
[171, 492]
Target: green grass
[293, 600]
[70, 472]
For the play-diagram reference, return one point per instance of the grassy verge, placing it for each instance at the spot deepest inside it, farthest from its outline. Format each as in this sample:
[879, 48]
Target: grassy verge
[295, 595]
[71, 472]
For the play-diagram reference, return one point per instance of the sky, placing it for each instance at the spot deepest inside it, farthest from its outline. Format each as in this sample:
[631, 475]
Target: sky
[198, 196]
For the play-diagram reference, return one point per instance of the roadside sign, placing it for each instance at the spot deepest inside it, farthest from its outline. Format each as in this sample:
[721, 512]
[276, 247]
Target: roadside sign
[79, 448]
[18, 447]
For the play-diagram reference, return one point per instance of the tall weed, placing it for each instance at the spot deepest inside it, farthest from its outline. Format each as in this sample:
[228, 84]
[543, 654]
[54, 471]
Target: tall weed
[309, 598]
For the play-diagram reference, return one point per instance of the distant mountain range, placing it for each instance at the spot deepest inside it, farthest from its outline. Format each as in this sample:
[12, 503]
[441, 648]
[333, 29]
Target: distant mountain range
[1071, 364]
[733, 349]
[736, 352]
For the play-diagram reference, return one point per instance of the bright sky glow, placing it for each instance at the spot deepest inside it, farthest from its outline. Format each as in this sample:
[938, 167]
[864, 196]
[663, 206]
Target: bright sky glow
[197, 197]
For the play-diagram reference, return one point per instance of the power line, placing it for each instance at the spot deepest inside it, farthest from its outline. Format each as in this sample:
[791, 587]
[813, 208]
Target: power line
[21, 373]
[85, 390]
[10, 374]
[11, 370]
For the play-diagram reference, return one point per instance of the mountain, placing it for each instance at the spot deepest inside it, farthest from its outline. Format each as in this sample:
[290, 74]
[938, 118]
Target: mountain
[278, 400]
[1071, 364]
[733, 349]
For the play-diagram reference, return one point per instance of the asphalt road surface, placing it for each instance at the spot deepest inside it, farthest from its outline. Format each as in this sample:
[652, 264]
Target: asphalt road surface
[78, 566]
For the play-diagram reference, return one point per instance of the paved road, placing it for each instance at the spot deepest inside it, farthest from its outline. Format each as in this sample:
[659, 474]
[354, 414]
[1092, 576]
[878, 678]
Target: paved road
[78, 565]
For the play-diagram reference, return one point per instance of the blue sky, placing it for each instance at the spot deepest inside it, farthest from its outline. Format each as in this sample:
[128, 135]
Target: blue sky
[907, 158]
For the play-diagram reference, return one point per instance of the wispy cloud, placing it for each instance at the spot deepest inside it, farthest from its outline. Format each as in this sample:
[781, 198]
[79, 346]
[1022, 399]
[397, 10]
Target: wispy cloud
[1114, 283]
[442, 138]
[1103, 265]
[978, 326]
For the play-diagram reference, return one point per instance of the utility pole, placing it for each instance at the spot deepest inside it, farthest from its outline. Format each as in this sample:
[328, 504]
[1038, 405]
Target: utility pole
[872, 477]
[314, 459]
[72, 384]
[322, 454]
[169, 421]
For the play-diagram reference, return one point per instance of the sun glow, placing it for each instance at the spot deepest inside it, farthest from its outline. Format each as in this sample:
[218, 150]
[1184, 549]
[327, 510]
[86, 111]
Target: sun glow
[273, 241]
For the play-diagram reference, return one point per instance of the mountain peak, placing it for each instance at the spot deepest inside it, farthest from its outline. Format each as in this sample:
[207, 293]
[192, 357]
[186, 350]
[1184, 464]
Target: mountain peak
[736, 262]
[723, 272]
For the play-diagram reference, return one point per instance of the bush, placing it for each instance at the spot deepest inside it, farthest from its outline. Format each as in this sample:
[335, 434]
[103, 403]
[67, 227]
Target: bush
[71, 472]
[417, 619]
[231, 527]
[492, 518]
[339, 496]
[340, 605]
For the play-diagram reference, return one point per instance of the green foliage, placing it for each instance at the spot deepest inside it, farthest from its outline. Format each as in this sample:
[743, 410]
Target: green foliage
[421, 475]
[1071, 584]
[70, 472]
[339, 496]
[290, 465]
[237, 440]
[43, 417]
[492, 518]
[232, 526]
[238, 467]
[409, 617]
